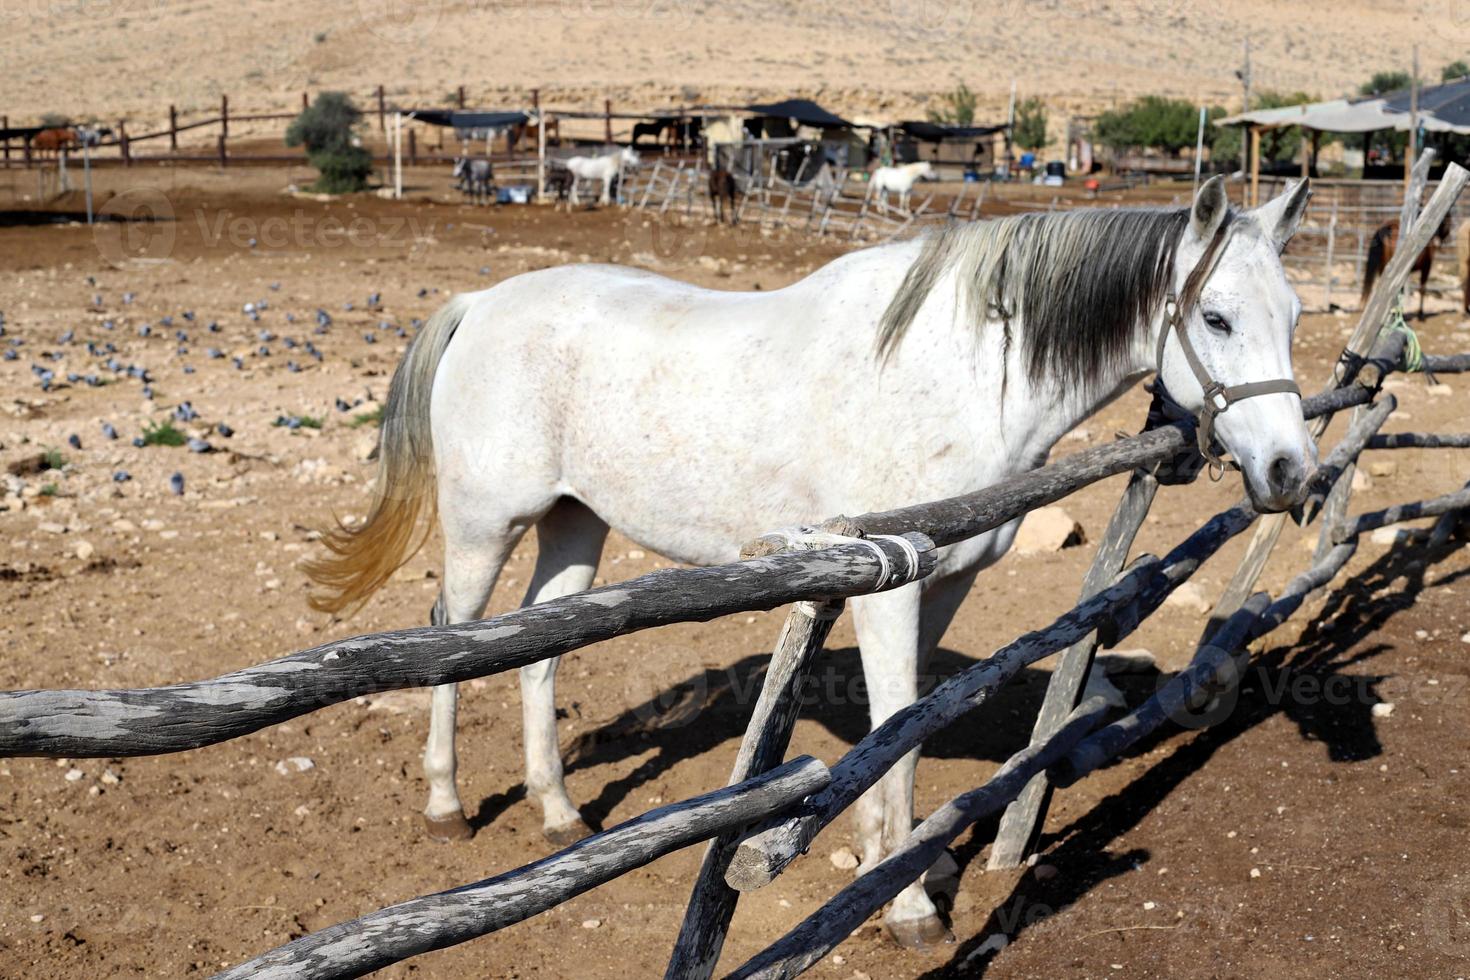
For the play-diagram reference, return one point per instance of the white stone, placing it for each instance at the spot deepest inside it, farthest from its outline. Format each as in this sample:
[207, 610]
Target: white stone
[1048, 529]
[591, 923]
[1383, 709]
[843, 859]
[85, 550]
[1361, 480]
[72, 775]
[296, 763]
[1383, 467]
[1188, 596]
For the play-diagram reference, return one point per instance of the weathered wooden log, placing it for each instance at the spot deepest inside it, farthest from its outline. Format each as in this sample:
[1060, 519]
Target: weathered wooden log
[957, 518]
[1027, 811]
[393, 934]
[1447, 363]
[1179, 695]
[819, 933]
[765, 853]
[1419, 440]
[1433, 507]
[712, 902]
[152, 721]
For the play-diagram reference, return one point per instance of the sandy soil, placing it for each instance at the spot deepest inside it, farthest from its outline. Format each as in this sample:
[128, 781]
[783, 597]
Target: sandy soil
[886, 58]
[1305, 836]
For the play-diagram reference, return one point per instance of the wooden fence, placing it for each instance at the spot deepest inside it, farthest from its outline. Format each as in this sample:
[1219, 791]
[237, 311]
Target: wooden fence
[770, 812]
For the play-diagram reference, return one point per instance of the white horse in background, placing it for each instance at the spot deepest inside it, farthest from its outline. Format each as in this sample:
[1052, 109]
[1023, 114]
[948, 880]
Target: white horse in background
[606, 168]
[900, 179]
[584, 397]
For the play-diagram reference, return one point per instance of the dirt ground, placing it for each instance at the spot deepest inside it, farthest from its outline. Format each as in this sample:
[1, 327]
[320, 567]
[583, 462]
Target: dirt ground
[1309, 834]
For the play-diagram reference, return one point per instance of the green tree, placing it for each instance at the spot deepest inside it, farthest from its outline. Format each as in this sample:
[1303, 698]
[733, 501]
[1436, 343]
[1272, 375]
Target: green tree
[1030, 130]
[1454, 70]
[957, 108]
[1152, 122]
[327, 128]
[1384, 82]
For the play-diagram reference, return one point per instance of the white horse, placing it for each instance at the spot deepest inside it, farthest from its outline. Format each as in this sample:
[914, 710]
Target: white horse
[586, 397]
[900, 179]
[605, 168]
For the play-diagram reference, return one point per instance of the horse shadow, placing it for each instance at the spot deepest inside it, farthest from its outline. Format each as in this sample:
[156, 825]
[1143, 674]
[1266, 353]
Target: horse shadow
[1308, 682]
[709, 708]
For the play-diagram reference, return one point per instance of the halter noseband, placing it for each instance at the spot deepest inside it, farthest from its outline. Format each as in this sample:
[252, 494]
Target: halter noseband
[1217, 396]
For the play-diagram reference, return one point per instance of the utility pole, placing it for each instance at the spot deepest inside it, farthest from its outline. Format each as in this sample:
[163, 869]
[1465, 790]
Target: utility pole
[1244, 74]
[1411, 149]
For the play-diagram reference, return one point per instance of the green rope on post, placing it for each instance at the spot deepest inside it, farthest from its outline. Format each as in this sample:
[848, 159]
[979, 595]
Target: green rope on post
[1413, 353]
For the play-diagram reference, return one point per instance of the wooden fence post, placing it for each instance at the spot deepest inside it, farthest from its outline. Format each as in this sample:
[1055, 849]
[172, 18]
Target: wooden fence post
[122, 145]
[1331, 245]
[713, 902]
[459, 96]
[224, 160]
[607, 119]
[173, 128]
[224, 117]
[5, 124]
[382, 111]
[413, 147]
[1025, 815]
[766, 737]
[305, 101]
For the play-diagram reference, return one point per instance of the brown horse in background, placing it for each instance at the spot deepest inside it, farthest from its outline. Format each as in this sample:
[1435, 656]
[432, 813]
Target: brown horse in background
[1380, 253]
[723, 191]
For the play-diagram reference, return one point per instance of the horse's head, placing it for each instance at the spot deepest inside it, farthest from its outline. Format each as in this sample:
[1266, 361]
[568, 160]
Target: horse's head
[460, 163]
[629, 157]
[924, 170]
[1239, 324]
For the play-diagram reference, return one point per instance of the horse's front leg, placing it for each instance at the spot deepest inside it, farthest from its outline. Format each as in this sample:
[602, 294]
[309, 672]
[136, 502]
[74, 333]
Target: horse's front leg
[887, 627]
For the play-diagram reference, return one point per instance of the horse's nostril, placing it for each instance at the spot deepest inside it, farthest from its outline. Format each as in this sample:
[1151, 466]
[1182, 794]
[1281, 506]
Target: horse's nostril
[1284, 475]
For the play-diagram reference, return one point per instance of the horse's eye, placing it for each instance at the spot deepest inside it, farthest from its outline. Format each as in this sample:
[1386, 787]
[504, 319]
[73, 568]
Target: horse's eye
[1217, 322]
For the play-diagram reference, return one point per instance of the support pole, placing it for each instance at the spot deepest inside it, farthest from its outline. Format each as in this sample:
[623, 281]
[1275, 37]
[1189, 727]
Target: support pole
[173, 128]
[224, 117]
[397, 151]
[1026, 814]
[712, 904]
[382, 111]
[607, 120]
[1255, 166]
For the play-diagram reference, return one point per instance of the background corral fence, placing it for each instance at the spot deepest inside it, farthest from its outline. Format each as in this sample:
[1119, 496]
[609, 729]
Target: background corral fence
[770, 812]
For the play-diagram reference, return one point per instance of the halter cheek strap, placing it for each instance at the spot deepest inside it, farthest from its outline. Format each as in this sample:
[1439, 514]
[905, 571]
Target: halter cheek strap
[1217, 396]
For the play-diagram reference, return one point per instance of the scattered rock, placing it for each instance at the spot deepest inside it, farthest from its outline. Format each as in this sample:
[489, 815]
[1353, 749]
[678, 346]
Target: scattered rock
[296, 763]
[1048, 529]
[51, 527]
[1361, 480]
[72, 775]
[1383, 467]
[1441, 390]
[843, 859]
[1188, 596]
[85, 550]
[110, 777]
[591, 923]
[1382, 709]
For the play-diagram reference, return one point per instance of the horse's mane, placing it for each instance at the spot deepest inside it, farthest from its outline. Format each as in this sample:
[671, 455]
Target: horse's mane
[1081, 282]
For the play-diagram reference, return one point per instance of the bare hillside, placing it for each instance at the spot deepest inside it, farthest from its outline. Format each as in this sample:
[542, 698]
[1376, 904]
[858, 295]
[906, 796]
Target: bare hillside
[133, 57]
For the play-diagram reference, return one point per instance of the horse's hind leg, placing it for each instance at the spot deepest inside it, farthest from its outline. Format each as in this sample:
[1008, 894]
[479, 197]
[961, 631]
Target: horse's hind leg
[568, 545]
[469, 577]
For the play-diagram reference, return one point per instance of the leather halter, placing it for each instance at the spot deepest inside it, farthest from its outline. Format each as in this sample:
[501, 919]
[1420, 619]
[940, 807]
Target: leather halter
[1217, 396]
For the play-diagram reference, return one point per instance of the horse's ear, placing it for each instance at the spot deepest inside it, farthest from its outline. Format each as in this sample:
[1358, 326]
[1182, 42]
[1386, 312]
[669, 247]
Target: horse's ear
[1210, 207]
[1281, 216]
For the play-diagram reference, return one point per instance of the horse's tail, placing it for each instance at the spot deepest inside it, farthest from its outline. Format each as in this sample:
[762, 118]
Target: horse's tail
[1377, 259]
[362, 557]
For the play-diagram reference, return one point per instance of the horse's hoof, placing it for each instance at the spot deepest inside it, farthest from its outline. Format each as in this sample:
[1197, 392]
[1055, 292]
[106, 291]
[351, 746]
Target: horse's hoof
[451, 828]
[924, 933]
[568, 834]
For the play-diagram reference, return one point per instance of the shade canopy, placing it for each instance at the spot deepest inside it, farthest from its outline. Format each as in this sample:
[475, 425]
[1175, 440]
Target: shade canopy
[804, 111]
[461, 119]
[1442, 109]
[938, 132]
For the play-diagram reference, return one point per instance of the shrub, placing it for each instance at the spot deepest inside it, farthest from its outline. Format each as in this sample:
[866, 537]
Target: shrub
[163, 434]
[957, 107]
[374, 417]
[326, 129]
[1030, 131]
